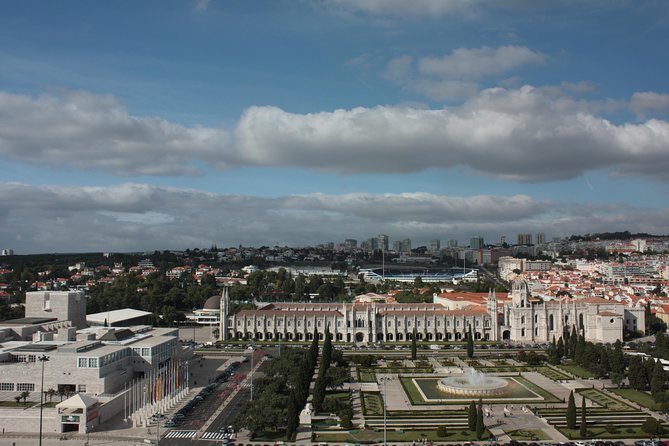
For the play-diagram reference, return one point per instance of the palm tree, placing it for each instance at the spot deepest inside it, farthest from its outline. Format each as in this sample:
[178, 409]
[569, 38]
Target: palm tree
[50, 393]
[24, 396]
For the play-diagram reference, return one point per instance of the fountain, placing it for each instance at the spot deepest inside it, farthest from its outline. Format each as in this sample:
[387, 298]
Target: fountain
[473, 384]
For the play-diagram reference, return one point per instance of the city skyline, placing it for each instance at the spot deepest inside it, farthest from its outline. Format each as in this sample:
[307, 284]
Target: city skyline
[176, 124]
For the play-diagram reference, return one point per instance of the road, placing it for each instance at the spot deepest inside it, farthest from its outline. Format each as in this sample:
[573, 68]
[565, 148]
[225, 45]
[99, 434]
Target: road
[186, 432]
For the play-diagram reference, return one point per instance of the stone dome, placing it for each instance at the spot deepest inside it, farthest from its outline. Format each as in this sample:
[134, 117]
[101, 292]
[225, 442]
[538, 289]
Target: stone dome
[213, 303]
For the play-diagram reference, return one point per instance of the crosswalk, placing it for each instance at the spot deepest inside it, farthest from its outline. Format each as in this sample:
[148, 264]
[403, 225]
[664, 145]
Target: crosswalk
[192, 434]
[181, 434]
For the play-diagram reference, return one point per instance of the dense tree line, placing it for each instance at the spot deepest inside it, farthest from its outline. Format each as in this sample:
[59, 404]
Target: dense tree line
[282, 393]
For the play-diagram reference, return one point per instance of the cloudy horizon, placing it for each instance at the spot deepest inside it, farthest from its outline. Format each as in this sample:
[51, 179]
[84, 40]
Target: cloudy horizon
[304, 123]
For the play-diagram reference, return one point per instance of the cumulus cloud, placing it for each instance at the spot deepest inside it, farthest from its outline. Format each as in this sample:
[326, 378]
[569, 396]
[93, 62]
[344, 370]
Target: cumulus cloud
[141, 217]
[456, 75]
[479, 62]
[649, 101]
[201, 5]
[57, 218]
[522, 134]
[84, 130]
[403, 8]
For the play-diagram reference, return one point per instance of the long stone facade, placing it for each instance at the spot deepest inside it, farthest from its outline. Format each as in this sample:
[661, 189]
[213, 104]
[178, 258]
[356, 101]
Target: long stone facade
[523, 319]
[358, 322]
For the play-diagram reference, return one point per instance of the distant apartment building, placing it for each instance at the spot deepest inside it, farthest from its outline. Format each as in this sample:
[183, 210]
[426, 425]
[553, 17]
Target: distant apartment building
[350, 243]
[524, 239]
[435, 245]
[382, 242]
[452, 243]
[6, 252]
[541, 238]
[476, 242]
[403, 246]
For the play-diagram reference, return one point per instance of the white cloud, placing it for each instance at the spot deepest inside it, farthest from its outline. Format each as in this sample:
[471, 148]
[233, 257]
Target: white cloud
[524, 134]
[142, 217]
[403, 8]
[467, 63]
[84, 130]
[649, 101]
[201, 5]
[456, 75]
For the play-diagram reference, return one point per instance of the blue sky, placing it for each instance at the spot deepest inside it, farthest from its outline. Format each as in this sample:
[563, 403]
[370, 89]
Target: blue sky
[129, 126]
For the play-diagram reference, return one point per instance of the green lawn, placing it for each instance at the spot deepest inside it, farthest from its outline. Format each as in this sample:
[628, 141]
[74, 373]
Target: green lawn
[642, 398]
[376, 436]
[518, 388]
[605, 400]
[15, 404]
[366, 375]
[553, 374]
[577, 370]
[279, 435]
[372, 402]
[601, 432]
[528, 435]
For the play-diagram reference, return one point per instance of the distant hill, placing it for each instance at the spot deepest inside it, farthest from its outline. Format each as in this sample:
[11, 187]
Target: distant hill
[624, 235]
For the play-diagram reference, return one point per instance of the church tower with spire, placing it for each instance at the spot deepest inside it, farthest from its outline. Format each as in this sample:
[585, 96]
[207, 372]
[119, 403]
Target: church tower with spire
[223, 334]
[494, 317]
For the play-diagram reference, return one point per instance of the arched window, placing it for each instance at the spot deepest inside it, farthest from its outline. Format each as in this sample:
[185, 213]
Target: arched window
[522, 319]
[551, 323]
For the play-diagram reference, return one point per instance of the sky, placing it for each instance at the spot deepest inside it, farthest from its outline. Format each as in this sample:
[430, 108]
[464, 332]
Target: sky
[174, 124]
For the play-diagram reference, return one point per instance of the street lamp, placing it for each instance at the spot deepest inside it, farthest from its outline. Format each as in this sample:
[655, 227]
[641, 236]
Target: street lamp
[252, 355]
[383, 380]
[42, 359]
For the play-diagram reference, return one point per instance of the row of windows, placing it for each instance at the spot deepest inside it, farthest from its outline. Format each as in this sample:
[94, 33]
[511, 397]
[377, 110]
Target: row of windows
[142, 351]
[87, 363]
[164, 349]
[114, 356]
[24, 358]
[358, 323]
[20, 387]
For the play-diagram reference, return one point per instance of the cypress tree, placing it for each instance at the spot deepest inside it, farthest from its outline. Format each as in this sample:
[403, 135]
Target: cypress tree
[657, 382]
[636, 373]
[583, 429]
[560, 349]
[571, 411]
[470, 343]
[573, 340]
[313, 349]
[292, 416]
[327, 349]
[471, 416]
[413, 345]
[480, 426]
[649, 368]
[319, 393]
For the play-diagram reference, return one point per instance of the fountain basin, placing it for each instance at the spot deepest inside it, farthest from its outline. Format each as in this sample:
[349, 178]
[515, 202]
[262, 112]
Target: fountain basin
[473, 384]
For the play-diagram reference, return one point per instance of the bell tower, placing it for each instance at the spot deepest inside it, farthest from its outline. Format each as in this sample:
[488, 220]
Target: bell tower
[223, 334]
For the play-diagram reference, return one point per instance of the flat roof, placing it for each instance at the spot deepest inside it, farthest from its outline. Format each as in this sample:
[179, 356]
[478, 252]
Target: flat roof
[29, 321]
[36, 348]
[116, 316]
[151, 341]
